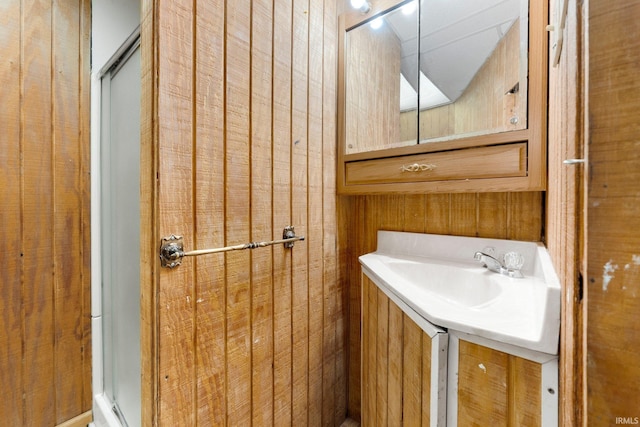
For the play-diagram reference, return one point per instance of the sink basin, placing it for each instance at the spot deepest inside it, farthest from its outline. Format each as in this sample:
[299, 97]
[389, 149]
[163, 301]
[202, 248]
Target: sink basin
[437, 277]
[458, 284]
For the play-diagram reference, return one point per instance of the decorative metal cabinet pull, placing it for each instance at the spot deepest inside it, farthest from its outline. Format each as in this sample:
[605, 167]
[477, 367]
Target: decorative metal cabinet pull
[417, 167]
[172, 248]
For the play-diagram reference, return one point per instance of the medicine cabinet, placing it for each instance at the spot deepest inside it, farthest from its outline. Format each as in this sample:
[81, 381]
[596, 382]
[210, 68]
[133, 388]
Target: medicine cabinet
[443, 97]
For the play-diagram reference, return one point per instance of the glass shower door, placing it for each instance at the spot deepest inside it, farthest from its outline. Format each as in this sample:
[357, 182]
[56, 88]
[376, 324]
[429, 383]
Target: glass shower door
[120, 235]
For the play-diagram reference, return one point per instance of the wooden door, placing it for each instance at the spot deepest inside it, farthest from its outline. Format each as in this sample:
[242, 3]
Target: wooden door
[238, 142]
[613, 214]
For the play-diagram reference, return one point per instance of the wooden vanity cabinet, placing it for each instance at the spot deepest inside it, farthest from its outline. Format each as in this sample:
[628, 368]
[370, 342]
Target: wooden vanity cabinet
[494, 387]
[403, 367]
[417, 374]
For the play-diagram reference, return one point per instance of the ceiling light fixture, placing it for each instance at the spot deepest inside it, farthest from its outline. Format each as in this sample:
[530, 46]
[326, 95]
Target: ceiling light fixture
[362, 5]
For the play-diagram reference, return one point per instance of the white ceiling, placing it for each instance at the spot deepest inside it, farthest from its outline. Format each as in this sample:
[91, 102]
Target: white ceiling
[457, 37]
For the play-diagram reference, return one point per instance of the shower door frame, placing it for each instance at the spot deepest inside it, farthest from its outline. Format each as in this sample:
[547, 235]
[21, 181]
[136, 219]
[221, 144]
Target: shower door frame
[103, 413]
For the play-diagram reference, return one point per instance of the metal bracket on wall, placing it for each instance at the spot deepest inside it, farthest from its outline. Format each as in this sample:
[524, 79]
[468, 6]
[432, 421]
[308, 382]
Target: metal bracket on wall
[172, 247]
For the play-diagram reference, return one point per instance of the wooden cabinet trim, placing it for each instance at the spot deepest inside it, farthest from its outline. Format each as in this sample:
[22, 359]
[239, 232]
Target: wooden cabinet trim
[498, 161]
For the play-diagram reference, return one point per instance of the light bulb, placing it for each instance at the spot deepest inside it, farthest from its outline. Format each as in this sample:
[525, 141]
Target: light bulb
[362, 5]
[376, 23]
[409, 8]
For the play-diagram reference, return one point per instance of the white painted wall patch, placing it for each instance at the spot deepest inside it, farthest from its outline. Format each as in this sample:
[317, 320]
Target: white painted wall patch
[607, 274]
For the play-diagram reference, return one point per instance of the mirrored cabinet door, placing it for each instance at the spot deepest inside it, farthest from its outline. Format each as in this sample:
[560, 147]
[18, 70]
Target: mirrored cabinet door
[381, 75]
[472, 68]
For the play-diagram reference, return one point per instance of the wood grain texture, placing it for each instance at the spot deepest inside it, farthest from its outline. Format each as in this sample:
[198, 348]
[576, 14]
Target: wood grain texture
[149, 262]
[11, 307]
[240, 114]
[613, 212]
[396, 363]
[413, 374]
[261, 213]
[299, 210]
[564, 213]
[516, 216]
[176, 293]
[45, 304]
[282, 270]
[496, 388]
[238, 225]
[483, 398]
[210, 205]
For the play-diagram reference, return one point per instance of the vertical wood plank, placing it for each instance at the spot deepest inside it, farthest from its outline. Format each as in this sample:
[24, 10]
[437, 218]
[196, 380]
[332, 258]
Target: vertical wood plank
[438, 214]
[149, 169]
[365, 351]
[412, 373]
[237, 215]
[176, 296]
[67, 254]
[282, 274]
[492, 214]
[464, 220]
[564, 214]
[370, 352]
[261, 214]
[299, 194]
[85, 177]
[37, 215]
[382, 359]
[525, 394]
[395, 395]
[415, 213]
[209, 208]
[524, 220]
[315, 212]
[11, 304]
[353, 230]
[334, 354]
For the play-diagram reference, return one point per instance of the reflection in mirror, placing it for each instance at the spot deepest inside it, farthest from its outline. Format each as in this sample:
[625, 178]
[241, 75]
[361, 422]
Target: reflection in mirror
[473, 59]
[381, 70]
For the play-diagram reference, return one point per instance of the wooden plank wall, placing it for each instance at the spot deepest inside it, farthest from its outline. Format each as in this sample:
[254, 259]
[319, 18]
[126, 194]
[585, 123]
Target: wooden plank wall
[239, 140]
[516, 216]
[613, 213]
[45, 332]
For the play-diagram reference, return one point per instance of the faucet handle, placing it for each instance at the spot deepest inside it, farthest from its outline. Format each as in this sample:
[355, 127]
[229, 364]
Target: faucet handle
[513, 261]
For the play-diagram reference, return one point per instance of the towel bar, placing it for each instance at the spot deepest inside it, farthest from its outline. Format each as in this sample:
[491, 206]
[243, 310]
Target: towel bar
[172, 247]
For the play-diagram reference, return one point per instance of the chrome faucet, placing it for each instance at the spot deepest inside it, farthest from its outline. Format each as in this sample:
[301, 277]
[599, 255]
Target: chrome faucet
[513, 261]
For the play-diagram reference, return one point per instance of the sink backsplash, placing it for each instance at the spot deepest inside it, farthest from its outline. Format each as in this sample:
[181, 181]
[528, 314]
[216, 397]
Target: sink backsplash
[458, 248]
